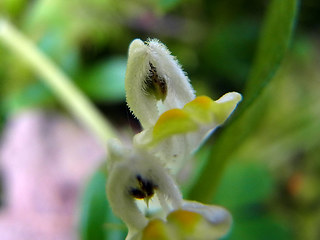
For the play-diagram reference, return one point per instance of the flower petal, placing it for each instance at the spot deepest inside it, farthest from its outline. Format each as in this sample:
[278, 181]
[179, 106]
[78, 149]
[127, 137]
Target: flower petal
[154, 81]
[179, 132]
[157, 230]
[193, 221]
[215, 216]
[180, 90]
[137, 70]
[174, 121]
[224, 106]
[199, 221]
[138, 175]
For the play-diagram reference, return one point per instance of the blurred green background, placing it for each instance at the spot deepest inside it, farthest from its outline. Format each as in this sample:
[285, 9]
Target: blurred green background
[271, 181]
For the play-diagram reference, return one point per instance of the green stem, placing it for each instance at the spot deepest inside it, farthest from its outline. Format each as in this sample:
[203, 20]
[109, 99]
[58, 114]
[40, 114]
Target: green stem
[63, 87]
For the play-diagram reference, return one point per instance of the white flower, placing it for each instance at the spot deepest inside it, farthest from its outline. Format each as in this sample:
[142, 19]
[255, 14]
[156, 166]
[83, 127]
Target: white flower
[192, 221]
[134, 175]
[175, 122]
[159, 94]
[154, 77]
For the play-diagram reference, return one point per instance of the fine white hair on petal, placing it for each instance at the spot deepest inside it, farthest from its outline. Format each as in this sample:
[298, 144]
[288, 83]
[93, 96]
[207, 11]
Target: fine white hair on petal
[143, 106]
[178, 88]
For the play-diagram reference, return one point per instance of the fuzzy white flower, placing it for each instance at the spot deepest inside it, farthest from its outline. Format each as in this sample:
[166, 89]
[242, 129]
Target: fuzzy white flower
[159, 94]
[154, 81]
[136, 175]
[175, 122]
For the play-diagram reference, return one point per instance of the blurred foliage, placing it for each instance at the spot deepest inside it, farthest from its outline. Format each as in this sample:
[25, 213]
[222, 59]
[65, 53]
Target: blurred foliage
[270, 184]
[97, 220]
[274, 173]
[103, 81]
[270, 53]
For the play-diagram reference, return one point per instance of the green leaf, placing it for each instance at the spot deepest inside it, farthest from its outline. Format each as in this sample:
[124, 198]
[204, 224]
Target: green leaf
[168, 4]
[33, 95]
[97, 221]
[244, 182]
[263, 226]
[275, 37]
[12, 8]
[274, 41]
[105, 81]
[94, 209]
[236, 37]
[245, 190]
[55, 45]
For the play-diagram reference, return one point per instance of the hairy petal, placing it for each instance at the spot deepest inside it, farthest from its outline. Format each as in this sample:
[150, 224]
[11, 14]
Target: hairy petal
[155, 82]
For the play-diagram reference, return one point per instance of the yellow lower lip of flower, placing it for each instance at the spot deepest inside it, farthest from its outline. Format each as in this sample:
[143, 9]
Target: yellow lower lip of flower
[183, 224]
[174, 121]
[156, 230]
[185, 220]
[200, 109]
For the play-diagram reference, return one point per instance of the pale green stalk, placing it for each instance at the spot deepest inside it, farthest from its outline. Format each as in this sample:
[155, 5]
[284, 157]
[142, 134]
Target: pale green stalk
[63, 87]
